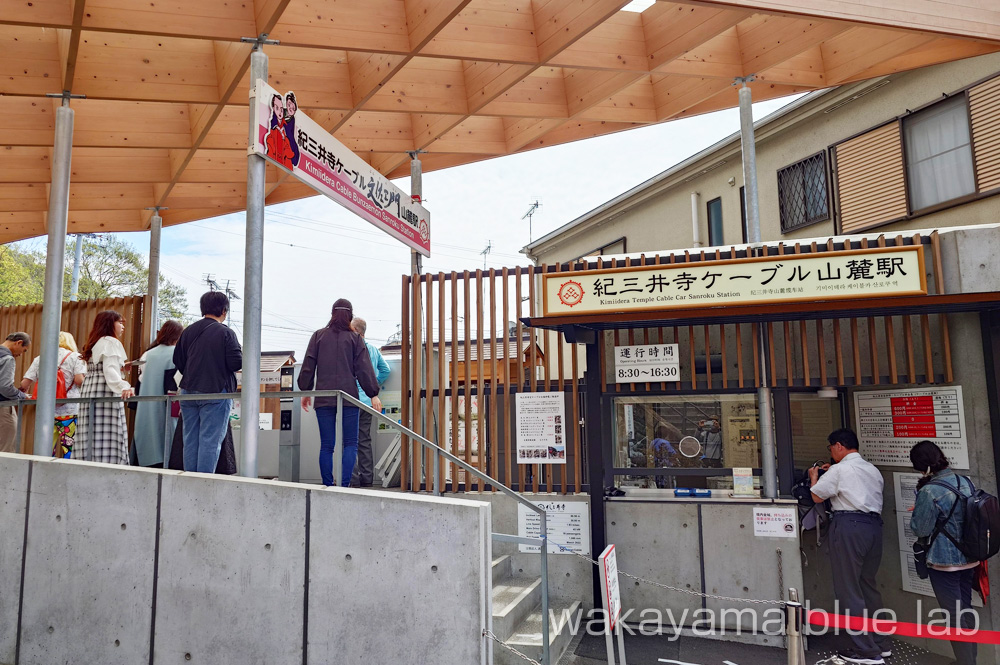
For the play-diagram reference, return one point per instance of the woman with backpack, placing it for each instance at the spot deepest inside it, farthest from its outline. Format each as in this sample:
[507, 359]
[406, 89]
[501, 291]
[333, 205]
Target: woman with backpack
[71, 370]
[104, 437]
[937, 515]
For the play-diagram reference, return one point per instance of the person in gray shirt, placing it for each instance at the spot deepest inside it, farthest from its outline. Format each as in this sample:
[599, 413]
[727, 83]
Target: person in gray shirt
[15, 344]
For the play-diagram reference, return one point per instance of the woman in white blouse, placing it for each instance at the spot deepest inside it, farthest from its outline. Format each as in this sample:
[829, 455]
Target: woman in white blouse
[103, 434]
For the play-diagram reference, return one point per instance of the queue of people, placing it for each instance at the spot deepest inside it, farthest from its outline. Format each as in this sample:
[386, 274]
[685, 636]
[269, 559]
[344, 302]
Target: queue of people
[854, 488]
[200, 359]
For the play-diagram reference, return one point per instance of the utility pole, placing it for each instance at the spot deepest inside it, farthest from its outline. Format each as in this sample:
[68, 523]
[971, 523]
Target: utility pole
[74, 287]
[485, 252]
[531, 211]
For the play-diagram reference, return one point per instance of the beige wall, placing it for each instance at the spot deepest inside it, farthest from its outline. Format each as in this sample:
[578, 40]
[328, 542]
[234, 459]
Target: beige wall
[663, 220]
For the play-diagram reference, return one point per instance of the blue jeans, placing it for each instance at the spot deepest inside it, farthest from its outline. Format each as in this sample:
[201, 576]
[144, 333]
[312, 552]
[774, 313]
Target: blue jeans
[326, 416]
[205, 422]
[954, 594]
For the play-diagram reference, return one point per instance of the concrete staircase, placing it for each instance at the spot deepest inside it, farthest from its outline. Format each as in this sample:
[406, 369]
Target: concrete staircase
[517, 616]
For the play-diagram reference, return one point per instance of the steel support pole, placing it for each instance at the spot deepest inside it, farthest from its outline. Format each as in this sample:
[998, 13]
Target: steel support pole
[74, 287]
[153, 287]
[544, 550]
[253, 285]
[417, 194]
[57, 219]
[768, 450]
[338, 445]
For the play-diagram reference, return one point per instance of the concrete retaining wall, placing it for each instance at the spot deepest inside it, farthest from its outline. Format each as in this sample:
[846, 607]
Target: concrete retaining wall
[119, 562]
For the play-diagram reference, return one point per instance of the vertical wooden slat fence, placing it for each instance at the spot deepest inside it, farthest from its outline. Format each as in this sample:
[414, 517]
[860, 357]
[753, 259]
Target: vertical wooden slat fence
[77, 319]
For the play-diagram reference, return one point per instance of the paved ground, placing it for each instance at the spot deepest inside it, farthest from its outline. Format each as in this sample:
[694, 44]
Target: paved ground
[658, 650]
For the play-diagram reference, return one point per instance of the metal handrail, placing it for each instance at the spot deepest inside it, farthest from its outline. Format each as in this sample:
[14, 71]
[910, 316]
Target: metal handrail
[341, 396]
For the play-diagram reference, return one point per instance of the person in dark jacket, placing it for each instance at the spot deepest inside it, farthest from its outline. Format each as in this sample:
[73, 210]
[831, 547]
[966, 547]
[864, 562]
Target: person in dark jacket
[208, 355]
[337, 359]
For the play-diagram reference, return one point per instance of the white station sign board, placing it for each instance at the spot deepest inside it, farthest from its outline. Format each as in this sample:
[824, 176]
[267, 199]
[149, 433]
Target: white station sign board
[289, 139]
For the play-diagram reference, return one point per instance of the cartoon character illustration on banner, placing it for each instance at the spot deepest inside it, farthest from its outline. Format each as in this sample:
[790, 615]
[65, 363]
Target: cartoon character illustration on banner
[291, 106]
[277, 145]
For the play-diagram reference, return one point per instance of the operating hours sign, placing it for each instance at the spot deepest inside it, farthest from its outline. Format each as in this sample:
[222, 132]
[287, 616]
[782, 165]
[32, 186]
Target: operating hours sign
[649, 362]
[890, 422]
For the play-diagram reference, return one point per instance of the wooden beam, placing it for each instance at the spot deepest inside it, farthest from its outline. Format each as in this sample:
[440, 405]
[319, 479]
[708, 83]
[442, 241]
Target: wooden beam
[806, 69]
[719, 57]
[485, 81]
[673, 29]
[72, 48]
[634, 103]
[498, 31]
[768, 41]
[559, 23]
[930, 53]
[585, 89]
[675, 94]
[189, 18]
[426, 18]
[851, 53]
[618, 44]
[960, 18]
[369, 72]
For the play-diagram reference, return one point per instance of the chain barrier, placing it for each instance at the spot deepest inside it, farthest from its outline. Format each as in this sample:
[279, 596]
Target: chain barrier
[690, 592]
[489, 634]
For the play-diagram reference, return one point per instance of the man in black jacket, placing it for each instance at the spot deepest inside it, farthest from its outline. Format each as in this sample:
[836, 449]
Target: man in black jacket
[208, 355]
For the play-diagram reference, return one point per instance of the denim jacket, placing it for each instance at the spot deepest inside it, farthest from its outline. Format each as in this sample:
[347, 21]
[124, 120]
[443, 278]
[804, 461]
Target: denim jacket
[933, 502]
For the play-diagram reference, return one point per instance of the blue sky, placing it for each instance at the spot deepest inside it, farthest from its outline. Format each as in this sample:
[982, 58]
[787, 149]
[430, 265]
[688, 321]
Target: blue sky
[315, 251]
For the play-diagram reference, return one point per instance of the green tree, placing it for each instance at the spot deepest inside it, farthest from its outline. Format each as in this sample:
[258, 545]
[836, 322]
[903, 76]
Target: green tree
[110, 269]
[18, 277]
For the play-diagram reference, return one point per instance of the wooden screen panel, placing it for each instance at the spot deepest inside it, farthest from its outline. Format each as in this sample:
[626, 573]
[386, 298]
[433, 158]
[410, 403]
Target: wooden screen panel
[984, 109]
[870, 179]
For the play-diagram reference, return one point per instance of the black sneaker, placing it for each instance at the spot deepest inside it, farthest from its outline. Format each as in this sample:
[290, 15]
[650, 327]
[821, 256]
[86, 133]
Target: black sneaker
[854, 657]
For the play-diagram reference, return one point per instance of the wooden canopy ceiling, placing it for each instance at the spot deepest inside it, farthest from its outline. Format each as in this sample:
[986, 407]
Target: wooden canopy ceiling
[167, 81]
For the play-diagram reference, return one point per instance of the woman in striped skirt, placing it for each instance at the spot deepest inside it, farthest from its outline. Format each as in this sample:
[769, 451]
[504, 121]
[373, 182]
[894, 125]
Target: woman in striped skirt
[102, 435]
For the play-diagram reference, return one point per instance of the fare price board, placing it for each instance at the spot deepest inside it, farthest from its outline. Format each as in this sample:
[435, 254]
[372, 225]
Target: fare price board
[890, 422]
[649, 362]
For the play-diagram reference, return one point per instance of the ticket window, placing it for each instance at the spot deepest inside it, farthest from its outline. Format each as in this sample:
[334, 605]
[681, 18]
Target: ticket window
[813, 418]
[671, 441]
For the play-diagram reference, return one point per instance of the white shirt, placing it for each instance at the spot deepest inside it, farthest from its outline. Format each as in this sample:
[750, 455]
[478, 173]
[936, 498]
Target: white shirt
[852, 484]
[110, 350]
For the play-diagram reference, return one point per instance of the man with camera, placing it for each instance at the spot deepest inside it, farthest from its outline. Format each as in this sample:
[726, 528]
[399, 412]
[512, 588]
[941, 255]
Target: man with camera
[854, 488]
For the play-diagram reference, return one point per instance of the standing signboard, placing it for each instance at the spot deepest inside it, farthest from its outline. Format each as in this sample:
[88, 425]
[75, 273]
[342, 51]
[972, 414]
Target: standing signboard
[890, 422]
[291, 140]
[611, 598]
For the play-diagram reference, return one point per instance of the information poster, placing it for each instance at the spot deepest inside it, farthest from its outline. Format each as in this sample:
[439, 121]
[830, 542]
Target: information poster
[568, 524]
[890, 422]
[541, 428]
[743, 481]
[774, 522]
[650, 362]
